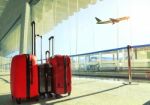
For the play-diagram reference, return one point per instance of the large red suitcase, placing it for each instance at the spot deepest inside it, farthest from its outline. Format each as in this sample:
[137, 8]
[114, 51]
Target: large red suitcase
[61, 72]
[24, 77]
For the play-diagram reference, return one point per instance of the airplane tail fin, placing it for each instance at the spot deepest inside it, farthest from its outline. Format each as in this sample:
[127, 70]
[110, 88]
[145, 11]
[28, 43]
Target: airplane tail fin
[98, 20]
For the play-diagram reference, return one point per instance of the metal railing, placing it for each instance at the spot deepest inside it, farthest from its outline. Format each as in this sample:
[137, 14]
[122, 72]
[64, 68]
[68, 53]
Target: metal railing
[128, 61]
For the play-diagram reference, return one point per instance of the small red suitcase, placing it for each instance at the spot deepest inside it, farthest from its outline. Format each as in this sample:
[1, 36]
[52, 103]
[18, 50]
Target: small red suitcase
[44, 70]
[24, 77]
[44, 79]
[61, 72]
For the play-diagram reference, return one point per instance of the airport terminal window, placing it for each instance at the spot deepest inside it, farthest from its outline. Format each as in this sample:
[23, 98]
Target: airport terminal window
[120, 57]
[142, 58]
[108, 60]
[92, 63]
[82, 62]
[9, 47]
[74, 63]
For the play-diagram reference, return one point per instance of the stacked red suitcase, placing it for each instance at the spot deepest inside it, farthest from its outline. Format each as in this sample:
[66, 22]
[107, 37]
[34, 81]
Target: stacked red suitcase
[61, 73]
[28, 79]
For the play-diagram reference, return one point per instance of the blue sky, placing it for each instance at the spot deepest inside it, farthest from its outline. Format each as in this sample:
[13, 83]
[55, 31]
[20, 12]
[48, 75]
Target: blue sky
[80, 33]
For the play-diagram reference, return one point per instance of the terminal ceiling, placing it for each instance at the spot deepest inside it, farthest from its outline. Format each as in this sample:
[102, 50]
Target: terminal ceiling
[47, 14]
[3, 5]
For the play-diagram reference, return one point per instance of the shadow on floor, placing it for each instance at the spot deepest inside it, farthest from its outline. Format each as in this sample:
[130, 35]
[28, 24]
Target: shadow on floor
[6, 81]
[90, 94]
[5, 75]
[147, 103]
[6, 99]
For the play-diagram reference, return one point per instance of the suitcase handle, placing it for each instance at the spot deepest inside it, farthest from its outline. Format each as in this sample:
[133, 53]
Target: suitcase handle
[47, 52]
[41, 46]
[51, 39]
[33, 38]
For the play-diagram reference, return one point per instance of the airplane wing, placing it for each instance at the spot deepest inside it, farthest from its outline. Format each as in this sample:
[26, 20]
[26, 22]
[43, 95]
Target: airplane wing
[114, 20]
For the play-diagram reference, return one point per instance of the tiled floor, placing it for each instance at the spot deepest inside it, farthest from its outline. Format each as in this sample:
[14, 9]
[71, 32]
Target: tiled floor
[89, 91]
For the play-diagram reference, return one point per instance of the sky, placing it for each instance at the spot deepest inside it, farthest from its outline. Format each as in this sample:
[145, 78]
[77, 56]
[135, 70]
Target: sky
[80, 33]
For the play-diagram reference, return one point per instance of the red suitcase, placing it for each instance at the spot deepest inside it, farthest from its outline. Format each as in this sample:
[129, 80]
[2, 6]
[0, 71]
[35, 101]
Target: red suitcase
[44, 72]
[24, 77]
[45, 79]
[24, 74]
[61, 73]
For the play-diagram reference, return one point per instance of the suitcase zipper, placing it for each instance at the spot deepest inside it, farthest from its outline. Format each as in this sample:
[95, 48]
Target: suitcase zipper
[27, 76]
[65, 78]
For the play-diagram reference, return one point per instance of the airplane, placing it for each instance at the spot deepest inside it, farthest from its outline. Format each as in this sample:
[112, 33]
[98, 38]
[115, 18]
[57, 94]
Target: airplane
[111, 20]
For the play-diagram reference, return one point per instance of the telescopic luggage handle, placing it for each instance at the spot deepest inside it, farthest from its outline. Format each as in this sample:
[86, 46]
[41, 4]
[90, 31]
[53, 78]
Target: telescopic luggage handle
[51, 39]
[41, 46]
[47, 52]
[33, 38]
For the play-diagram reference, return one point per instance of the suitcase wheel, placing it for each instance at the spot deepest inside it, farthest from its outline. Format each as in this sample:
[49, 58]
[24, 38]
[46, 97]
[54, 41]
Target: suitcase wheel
[18, 101]
[42, 95]
[57, 96]
[69, 93]
[12, 97]
[37, 99]
[50, 95]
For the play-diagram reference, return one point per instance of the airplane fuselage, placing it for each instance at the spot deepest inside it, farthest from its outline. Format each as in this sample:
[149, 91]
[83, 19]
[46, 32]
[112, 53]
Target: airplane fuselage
[111, 20]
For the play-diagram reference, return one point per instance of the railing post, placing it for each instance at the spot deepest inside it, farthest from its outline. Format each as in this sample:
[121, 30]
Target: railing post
[129, 64]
